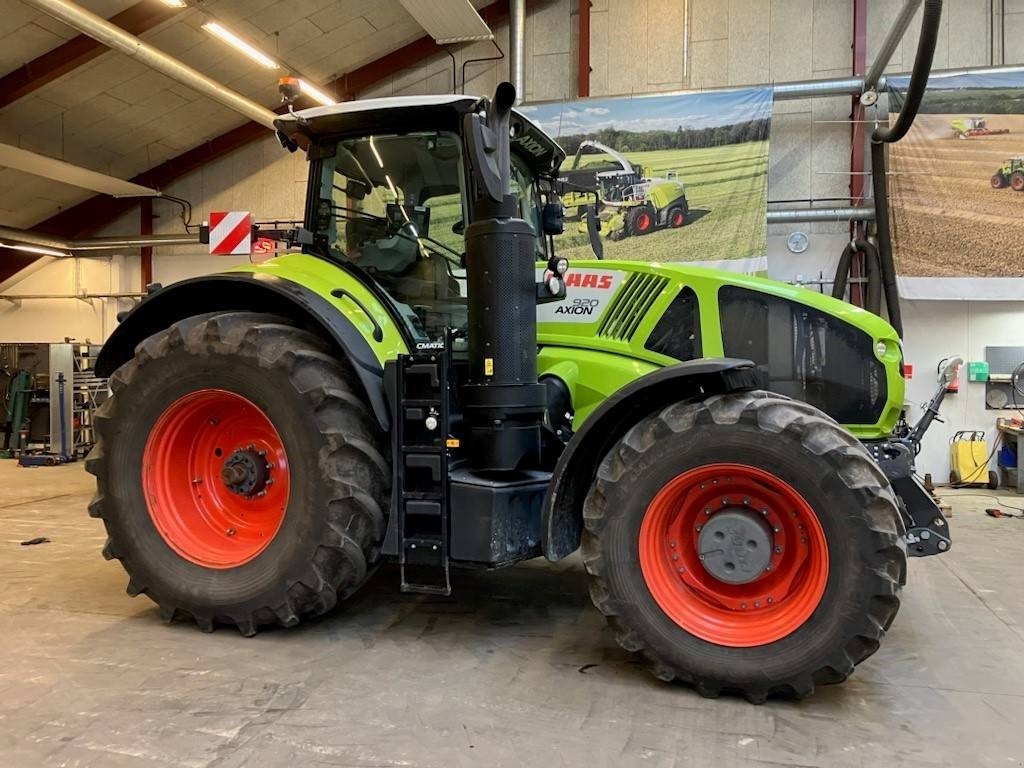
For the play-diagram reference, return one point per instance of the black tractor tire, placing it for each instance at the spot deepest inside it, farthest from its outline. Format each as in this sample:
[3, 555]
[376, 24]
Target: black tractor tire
[954, 477]
[640, 220]
[676, 217]
[1017, 181]
[998, 180]
[803, 447]
[993, 480]
[339, 477]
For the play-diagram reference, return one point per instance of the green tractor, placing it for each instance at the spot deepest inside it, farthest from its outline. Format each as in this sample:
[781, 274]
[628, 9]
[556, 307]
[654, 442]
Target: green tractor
[1011, 174]
[425, 381]
[628, 201]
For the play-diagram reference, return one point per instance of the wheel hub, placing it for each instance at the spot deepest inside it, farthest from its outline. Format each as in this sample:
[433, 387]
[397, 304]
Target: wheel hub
[735, 546]
[246, 472]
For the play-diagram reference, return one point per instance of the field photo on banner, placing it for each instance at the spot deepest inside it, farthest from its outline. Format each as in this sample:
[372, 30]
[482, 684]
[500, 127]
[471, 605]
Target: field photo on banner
[671, 178]
[957, 178]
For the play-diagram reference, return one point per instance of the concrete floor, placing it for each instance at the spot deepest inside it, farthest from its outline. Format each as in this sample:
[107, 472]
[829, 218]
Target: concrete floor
[517, 669]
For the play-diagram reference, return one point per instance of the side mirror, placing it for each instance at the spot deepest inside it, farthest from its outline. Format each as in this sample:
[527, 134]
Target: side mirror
[553, 217]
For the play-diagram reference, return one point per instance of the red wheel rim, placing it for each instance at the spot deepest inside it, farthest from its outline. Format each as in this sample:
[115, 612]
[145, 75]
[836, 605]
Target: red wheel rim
[677, 219]
[216, 479]
[769, 607]
[643, 222]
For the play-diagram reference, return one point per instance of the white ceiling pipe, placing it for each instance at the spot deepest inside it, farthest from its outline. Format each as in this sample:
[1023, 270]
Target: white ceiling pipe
[9, 236]
[517, 37]
[116, 38]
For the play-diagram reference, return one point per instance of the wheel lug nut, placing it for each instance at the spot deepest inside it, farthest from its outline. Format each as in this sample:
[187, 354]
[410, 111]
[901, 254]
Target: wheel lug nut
[681, 569]
[673, 544]
[675, 557]
[770, 601]
[768, 567]
[778, 550]
[700, 557]
[725, 501]
[746, 502]
[775, 529]
[743, 605]
[699, 527]
[757, 604]
[231, 531]
[197, 481]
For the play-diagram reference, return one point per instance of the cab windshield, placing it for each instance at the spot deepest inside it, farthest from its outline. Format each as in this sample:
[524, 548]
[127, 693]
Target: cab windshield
[395, 206]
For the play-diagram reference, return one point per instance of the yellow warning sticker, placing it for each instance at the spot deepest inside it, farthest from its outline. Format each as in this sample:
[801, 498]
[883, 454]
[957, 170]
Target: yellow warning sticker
[488, 366]
[452, 442]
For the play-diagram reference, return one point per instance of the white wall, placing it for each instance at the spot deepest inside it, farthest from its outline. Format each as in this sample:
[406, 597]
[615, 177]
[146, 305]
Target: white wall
[938, 329]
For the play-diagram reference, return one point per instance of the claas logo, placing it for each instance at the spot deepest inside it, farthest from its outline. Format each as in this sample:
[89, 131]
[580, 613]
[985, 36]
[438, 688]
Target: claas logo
[588, 280]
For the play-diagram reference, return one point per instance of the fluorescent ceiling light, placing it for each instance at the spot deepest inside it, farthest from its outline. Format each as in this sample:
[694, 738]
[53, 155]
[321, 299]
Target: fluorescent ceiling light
[316, 94]
[376, 154]
[42, 250]
[174, 3]
[219, 30]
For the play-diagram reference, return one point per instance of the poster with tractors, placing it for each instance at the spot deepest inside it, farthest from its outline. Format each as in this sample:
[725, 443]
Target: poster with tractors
[957, 179]
[677, 177]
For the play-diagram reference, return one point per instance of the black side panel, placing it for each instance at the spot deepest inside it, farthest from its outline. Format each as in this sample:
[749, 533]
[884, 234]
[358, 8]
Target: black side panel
[243, 291]
[574, 473]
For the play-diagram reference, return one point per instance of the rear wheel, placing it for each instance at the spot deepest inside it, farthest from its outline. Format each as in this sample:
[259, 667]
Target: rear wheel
[676, 217]
[993, 480]
[998, 181]
[240, 476]
[745, 543]
[640, 220]
[1017, 181]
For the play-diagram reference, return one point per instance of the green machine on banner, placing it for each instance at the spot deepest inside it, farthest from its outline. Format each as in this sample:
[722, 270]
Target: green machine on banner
[670, 178]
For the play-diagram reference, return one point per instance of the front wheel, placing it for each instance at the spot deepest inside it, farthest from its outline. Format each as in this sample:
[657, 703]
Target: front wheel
[998, 180]
[745, 543]
[240, 476]
[640, 220]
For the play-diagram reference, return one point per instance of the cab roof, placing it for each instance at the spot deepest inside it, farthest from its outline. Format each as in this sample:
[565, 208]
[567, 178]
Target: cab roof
[402, 114]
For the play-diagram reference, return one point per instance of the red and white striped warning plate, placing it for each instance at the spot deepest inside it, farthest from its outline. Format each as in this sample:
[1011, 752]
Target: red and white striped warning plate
[230, 233]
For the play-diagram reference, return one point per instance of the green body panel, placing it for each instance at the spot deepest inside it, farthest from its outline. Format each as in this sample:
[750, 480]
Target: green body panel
[624, 359]
[595, 365]
[662, 194]
[322, 277]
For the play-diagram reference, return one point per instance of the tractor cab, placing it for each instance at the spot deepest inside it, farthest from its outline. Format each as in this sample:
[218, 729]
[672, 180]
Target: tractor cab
[391, 193]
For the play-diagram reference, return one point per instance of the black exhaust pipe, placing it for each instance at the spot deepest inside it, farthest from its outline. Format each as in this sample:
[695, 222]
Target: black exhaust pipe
[503, 403]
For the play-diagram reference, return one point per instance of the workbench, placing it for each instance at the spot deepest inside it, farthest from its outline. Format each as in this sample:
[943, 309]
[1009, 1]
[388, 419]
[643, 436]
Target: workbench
[1011, 430]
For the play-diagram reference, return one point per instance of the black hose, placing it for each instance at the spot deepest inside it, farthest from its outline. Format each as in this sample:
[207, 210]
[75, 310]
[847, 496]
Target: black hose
[882, 136]
[873, 272]
[873, 287]
[842, 272]
[884, 235]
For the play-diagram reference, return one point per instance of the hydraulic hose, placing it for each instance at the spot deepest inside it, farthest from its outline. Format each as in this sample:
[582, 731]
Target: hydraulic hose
[873, 288]
[882, 136]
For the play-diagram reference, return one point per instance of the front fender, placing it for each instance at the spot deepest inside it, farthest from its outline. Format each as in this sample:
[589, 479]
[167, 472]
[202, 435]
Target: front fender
[360, 329]
[577, 466]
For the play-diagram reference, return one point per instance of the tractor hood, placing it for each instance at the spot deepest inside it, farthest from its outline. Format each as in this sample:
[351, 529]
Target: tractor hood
[843, 359]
